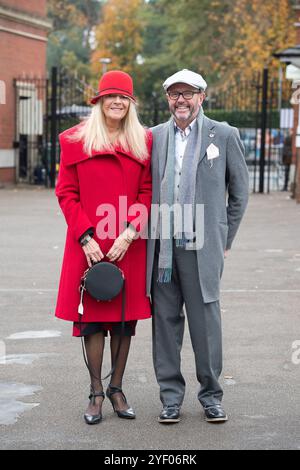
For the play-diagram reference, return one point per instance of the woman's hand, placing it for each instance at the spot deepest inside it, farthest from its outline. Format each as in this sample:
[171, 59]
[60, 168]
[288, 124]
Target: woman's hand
[92, 252]
[121, 245]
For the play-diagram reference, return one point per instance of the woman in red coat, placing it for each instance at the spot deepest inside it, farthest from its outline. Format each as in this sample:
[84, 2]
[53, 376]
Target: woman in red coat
[104, 191]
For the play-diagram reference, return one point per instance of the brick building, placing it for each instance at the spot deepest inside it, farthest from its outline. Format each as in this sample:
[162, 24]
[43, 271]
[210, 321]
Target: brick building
[23, 44]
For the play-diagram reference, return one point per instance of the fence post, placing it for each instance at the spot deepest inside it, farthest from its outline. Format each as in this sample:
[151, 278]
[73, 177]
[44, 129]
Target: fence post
[263, 129]
[53, 126]
[258, 88]
[270, 133]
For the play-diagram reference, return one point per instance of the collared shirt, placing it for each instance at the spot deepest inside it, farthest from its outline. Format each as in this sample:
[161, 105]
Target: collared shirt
[181, 139]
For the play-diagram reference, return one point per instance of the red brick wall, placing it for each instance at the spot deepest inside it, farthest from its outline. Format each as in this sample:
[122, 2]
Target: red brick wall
[37, 7]
[29, 59]
[7, 175]
[19, 56]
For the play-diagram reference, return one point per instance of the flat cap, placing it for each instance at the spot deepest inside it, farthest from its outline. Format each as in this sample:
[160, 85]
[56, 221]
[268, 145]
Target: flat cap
[186, 76]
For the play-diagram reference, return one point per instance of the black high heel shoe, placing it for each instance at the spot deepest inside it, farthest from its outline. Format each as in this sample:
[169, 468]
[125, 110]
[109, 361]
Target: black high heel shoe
[126, 414]
[94, 419]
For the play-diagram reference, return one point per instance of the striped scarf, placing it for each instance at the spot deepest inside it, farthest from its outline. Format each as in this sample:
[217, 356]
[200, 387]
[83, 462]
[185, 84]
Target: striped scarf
[186, 197]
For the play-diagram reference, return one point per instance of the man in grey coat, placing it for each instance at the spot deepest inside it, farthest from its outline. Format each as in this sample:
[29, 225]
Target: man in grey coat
[199, 164]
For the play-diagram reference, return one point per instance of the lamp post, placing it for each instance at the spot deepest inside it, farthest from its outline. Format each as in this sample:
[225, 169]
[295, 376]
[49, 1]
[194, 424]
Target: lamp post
[105, 61]
[292, 56]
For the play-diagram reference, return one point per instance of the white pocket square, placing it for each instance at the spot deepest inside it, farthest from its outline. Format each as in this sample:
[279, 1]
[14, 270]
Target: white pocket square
[212, 152]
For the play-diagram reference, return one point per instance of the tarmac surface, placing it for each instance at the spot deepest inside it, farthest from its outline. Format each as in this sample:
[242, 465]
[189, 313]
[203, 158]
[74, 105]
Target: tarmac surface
[44, 384]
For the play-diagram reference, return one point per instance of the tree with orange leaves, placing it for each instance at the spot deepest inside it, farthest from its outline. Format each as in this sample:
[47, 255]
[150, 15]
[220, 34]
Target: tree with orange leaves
[258, 30]
[118, 36]
[225, 39]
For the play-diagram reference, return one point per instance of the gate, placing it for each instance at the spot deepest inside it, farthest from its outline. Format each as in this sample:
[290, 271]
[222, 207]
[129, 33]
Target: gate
[31, 115]
[44, 108]
[70, 97]
[260, 108]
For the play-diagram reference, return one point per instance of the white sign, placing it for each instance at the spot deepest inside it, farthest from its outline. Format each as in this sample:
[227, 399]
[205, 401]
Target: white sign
[30, 110]
[286, 118]
[2, 92]
[292, 72]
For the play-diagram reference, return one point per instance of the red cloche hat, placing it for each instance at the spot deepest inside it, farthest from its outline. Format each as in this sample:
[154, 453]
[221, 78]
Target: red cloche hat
[114, 82]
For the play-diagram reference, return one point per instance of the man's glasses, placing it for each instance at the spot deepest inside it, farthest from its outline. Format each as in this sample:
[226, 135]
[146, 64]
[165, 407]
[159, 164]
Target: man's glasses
[187, 95]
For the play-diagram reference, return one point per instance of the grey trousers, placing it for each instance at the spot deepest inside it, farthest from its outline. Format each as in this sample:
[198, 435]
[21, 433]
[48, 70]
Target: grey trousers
[204, 322]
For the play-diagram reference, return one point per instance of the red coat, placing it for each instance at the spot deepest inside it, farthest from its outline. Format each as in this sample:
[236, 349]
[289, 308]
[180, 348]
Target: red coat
[83, 184]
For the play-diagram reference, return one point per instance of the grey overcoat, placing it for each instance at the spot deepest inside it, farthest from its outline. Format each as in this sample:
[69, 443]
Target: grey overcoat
[223, 188]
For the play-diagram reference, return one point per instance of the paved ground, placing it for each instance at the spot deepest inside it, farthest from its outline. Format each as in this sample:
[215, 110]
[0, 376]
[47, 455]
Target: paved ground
[44, 384]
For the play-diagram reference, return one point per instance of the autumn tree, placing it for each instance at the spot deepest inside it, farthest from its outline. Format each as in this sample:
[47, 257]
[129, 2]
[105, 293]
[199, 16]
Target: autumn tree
[189, 36]
[157, 35]
[225, 39]
[70, 40]
[258, 30]
[118, 36]
[197, 42]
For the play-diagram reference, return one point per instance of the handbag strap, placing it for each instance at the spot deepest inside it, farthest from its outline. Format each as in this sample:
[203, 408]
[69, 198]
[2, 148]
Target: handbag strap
[120, 341]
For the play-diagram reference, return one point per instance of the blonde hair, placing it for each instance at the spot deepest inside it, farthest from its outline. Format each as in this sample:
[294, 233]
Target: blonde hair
[93, 132]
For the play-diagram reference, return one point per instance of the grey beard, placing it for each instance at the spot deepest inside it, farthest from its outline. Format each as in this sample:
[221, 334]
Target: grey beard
[191, 112]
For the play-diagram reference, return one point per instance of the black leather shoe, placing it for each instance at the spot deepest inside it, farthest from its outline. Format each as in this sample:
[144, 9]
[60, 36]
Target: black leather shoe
[126, 414]
[170, 414]
[94, 419]
[215, 414]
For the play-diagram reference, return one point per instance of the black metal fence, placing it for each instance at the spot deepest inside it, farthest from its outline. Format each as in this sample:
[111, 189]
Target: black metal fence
[31, 111]
[259, 107]
[44, 108]
[70, 98]
[154, 111]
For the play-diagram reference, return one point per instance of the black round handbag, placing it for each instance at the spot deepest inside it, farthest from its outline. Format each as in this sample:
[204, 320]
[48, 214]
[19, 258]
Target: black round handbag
[103, 281]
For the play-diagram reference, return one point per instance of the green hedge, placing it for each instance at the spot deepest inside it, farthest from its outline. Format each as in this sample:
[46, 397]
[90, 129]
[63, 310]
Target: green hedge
[242, 119]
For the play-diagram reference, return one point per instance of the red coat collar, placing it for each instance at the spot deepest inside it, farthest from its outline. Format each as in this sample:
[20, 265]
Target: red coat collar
[73, 152]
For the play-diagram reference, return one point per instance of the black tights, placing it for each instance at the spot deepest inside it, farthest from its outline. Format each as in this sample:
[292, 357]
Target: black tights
[94, 345]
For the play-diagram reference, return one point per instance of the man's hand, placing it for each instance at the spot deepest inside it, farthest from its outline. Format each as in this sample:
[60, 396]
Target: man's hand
[226, 253]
